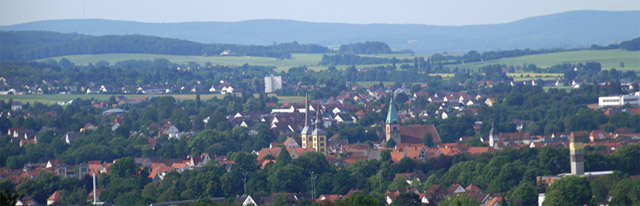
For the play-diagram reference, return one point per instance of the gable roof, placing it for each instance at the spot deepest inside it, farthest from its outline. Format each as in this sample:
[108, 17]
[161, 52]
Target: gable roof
[413, 134]
[397, 156]
[472, 187]
[452, 189]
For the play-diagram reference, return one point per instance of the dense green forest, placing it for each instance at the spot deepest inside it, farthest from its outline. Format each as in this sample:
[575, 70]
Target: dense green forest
[365, 48]
[31, 45]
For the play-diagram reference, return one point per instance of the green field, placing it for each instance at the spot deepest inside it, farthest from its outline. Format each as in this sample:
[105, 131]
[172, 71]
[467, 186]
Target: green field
[297, 59]
[524, 76]
[443, 75]
[371, 83]
[397, 56]
[54, 98]
[608, 59]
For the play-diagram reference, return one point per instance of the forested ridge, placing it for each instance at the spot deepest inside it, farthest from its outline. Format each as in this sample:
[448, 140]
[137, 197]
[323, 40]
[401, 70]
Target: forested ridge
[31, 45]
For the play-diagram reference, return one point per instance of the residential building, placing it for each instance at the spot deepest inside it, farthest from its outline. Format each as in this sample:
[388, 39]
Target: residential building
[272, 83]
[621, 100]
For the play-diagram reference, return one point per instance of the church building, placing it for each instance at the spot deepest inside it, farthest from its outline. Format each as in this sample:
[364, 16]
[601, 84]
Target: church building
[314, 138]
[411, 134]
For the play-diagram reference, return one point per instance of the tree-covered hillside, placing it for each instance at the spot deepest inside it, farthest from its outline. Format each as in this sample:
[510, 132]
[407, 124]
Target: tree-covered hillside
[30, 45]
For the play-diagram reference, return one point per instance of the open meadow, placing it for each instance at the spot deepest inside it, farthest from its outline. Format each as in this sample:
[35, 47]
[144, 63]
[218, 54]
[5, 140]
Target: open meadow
[297, 59]
[608, 58]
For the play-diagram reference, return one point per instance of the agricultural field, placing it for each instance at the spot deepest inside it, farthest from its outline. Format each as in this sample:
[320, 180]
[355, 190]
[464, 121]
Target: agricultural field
[55, 98]
[397, 56]
[534, 76]
[371, 83]
[297, 59]
[608, 58]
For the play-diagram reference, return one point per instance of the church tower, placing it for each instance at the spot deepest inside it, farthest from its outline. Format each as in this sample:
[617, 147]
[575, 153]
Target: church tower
[319, 137]
[493, 137]
[392, 125]
[576, 150]
[305, 135]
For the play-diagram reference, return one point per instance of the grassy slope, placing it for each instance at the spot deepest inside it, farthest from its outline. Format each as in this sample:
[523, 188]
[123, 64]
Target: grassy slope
[608, 59]
[282, 65]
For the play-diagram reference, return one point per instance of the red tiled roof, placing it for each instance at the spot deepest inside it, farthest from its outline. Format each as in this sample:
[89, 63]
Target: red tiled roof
[453, 188]
[413, 134]
[472, 187]
[397, 156]
[634, 110]
[478, 150]
[55, 196]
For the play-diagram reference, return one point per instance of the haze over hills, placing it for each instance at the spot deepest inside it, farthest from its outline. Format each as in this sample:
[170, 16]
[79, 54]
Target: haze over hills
[564, 30]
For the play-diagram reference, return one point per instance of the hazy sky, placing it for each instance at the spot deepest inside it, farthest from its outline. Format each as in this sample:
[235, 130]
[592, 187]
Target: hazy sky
[432, 12]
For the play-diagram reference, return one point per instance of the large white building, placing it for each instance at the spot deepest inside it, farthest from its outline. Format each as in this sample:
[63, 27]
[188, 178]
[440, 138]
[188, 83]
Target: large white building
[272, 83]
[616, 101]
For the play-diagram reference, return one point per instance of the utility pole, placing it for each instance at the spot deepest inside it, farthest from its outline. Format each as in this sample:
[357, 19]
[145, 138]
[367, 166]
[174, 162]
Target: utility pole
[244, 182]
[313, 186]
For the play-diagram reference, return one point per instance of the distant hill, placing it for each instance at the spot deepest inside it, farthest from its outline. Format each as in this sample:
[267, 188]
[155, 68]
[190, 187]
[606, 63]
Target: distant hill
[30, 45]
[563, 30]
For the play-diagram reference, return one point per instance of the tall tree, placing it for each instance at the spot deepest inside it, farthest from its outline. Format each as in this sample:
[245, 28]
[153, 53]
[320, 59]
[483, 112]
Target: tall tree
[570, 190]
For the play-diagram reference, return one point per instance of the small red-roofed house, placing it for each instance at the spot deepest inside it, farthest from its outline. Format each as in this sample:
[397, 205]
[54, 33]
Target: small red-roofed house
[435, 193]
[455, 188]
[495, 201]
[599, 135]
[328, 197]
[472, 187]
[396, 157]
[54, 198]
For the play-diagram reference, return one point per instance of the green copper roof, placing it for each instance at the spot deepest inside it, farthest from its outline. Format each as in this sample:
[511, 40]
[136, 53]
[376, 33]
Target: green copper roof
[392, 116]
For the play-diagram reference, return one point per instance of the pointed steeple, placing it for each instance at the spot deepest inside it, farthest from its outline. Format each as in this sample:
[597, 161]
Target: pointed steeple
[318, 130]
[306, 110]
[306, 129]
[316, 125]
[392, 116]
[493, 136]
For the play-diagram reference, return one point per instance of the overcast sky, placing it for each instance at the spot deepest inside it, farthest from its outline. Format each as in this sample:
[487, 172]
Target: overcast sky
[431, 12]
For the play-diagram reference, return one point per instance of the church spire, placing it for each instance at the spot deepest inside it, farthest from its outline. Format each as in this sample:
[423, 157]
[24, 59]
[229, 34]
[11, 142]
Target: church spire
[317, 130]
[316, 120]
[392, 115]
[307, 128]
[306, 110]
[493, 136]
